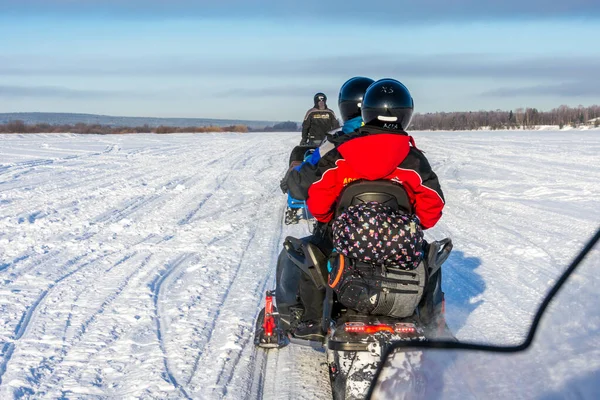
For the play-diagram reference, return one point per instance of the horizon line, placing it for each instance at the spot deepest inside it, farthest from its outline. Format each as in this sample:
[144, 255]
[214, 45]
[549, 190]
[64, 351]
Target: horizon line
[269, 120]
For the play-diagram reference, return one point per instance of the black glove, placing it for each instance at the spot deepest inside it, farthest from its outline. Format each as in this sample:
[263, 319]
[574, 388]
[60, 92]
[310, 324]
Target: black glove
[337, 134]
[283, 185]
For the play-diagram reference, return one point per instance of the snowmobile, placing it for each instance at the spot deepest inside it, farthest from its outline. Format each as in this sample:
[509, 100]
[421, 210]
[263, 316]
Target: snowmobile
[296, 209]
[355, 342]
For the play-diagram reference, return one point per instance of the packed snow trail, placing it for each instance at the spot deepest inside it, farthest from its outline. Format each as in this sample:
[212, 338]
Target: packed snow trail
[135, 265]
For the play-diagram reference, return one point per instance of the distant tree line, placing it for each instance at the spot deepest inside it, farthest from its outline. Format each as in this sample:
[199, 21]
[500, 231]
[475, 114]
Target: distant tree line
[287, 126]
[471, 120]
[520, 118]
[21, 127]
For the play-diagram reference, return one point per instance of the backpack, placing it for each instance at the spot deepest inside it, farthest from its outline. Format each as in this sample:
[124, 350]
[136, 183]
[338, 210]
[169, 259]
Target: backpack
[377, 264]
[374, 233]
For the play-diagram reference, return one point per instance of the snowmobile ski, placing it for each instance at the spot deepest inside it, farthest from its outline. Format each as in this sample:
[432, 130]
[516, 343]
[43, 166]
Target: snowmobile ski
[268, 334]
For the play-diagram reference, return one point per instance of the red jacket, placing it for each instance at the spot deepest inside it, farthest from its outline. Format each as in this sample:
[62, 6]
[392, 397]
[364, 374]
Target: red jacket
[374, 154]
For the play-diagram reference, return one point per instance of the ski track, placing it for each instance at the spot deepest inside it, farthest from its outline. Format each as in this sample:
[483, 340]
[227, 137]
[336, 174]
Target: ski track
[155, 286]
[69, 341]
[247, 342]
[26, 318]
[135, 266]
[235, 289]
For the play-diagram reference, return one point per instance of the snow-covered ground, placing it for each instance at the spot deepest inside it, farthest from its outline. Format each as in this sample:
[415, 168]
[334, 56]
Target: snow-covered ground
[134, 266]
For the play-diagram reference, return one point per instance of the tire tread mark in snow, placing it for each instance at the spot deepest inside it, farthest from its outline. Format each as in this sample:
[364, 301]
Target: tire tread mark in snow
[13, 262]
[21, 327]
[188, 218]
[84, 326]
[135, 204]
[33, 263]
[191, 214]
[155, 286]
[255, 352]
[109, 299]
[274, 388]
[218, 312]
[249, 338]
[14, 167]
[260, 354]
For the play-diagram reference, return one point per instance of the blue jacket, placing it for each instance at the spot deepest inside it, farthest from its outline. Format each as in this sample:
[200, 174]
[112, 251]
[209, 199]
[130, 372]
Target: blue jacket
[352, 124]
[349, 126]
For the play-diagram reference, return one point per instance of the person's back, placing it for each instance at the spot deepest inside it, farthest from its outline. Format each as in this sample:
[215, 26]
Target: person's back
[379, 150]
[318, 121]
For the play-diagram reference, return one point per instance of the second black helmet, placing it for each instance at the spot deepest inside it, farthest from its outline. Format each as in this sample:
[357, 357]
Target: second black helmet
[387, 104]
[351, 96]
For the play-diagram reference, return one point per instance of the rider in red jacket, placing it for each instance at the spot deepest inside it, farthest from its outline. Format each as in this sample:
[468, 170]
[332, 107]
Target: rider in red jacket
[361, 158]
[379, 150]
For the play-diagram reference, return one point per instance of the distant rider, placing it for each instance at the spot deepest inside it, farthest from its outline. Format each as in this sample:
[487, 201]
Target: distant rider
[318, 121]
[349, 102]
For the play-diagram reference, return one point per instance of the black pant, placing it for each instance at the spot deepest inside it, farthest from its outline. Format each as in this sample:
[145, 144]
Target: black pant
[312, 298]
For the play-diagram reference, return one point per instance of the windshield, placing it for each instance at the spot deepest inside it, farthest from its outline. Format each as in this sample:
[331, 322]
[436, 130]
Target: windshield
[563, 361]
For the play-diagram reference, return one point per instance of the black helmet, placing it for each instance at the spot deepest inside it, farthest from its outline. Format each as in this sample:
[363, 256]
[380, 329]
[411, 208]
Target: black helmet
[351, 96]
[387, 104]
[320, 97]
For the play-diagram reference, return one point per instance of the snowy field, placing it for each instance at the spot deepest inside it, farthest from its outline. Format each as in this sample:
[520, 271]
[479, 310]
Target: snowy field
[133, 266]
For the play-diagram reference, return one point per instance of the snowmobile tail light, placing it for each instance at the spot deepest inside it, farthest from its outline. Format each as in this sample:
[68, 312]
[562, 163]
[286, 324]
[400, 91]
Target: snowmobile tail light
[405, 328]
[361, 327]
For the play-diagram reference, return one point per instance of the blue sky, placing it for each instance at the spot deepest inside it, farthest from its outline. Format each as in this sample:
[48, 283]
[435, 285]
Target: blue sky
[265, 60]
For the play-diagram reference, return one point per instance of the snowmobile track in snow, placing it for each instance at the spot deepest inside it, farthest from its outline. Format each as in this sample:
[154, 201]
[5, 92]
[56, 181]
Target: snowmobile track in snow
[23, 324]
[155, 286]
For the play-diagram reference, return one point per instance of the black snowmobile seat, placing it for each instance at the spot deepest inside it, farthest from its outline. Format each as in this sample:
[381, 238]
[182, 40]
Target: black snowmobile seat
[386, 192]
[299, 152]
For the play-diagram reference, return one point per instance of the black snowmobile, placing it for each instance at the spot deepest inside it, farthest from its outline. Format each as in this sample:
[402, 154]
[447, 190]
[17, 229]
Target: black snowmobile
[409, 305]
[296, 209]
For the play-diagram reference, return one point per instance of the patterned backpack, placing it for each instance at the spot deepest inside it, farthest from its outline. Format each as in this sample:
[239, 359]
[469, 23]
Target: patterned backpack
[376, 266]
[373, 233]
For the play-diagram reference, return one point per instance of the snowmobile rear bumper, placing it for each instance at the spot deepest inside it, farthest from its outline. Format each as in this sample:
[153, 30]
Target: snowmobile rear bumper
[347, 346]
